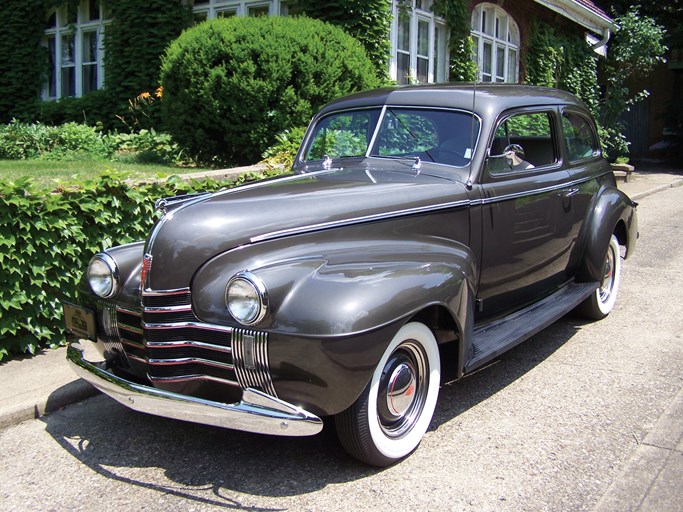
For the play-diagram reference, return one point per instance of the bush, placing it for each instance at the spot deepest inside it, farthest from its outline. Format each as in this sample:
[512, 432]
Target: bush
[286, 146]
[47, 238]
[230, 85]
[146, 147]
[20, 141]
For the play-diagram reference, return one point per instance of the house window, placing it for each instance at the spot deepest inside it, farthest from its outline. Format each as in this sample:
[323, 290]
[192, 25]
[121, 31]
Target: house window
[209, 9]
[74, 45]
[496, 44]
[418, 42]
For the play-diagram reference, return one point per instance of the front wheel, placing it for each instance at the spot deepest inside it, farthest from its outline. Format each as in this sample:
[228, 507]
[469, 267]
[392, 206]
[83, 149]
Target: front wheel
[601, 302]
[388, 420]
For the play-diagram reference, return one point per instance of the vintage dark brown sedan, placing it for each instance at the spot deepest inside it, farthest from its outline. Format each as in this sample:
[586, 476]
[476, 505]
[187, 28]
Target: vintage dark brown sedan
[422, 230]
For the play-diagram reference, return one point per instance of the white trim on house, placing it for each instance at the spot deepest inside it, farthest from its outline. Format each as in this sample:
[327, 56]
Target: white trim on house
[419, 43]
[580, 14]
[75, 50]
[210, 9]
[496, 44]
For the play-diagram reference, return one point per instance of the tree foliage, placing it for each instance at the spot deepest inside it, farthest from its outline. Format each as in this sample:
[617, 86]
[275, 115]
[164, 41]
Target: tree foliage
[457, 16]
[231, 85]
[636, 48]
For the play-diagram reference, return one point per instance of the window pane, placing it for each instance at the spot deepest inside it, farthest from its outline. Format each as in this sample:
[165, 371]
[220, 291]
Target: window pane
[93, 10]
[422, 70]
[404, 32]
[68, 82]
[487, 67]
[51, 21]
[89, 78]
[52, 72]
[68, 44]
[90, 47]
[342, 135]
[258, 10]
[423, 38]
[512, 65]
[200, 16]
[581, 141]
[403, 68]
[227, 13]
[500, 64]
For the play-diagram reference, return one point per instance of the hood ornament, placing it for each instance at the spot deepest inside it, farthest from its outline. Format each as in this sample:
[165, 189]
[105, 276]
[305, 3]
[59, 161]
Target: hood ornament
[417, 165]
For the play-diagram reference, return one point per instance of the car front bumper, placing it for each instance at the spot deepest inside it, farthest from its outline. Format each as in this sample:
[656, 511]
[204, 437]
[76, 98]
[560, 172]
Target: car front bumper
[257, 412]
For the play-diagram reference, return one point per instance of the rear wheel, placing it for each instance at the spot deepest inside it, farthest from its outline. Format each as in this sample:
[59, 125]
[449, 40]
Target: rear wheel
[601, 302]
[391, 416]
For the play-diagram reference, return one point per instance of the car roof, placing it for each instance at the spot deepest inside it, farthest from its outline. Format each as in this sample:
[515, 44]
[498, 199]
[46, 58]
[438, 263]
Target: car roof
[486, 98]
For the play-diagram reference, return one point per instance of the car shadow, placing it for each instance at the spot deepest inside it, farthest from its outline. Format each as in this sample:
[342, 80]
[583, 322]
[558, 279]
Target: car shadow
[205, 464]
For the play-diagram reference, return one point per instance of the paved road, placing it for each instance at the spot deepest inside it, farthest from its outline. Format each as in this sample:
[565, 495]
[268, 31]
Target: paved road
[548, 427]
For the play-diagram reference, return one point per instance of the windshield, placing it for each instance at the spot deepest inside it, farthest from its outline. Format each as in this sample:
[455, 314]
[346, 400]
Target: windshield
[439, 136]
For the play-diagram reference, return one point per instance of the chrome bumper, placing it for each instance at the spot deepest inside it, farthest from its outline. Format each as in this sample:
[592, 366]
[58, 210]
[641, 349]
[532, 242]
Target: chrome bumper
[257, 412]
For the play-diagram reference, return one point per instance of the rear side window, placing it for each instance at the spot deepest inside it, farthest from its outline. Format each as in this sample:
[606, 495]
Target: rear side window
[523, 141]
[579, 136]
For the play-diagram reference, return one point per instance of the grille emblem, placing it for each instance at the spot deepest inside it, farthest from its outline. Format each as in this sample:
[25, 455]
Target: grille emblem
[146, 267]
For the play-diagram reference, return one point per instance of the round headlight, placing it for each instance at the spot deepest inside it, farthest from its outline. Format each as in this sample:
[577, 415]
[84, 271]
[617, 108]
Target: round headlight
[103, 275]
[246, 298]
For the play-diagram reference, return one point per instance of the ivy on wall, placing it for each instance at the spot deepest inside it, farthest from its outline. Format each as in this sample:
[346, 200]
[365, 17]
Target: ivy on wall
[134, 42]
[24, 62]
[369, 21]
[564, 61]
[457, 15]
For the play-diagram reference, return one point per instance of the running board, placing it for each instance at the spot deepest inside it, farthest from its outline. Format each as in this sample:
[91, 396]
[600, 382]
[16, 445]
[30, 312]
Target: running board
[492, 339]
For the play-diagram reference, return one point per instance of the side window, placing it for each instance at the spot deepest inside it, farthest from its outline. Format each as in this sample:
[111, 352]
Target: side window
[521, 142]
[579, 137]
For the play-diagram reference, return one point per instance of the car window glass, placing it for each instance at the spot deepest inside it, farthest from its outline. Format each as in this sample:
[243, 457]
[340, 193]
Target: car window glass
[522, 142]
[579, 137]
[439, 136]
[342, 134]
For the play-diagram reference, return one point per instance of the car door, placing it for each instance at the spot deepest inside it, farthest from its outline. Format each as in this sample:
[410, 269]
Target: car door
[585, 165]
[526, 222]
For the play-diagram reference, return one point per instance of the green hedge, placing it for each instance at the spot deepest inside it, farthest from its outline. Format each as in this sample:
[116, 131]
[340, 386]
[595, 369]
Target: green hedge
[48, 237]
[231, 85]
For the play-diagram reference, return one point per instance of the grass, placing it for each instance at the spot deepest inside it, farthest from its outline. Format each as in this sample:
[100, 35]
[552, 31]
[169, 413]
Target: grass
[46, 173]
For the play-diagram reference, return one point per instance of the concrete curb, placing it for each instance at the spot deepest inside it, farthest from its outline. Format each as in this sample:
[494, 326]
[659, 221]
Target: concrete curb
[654, 190]
[652, 477]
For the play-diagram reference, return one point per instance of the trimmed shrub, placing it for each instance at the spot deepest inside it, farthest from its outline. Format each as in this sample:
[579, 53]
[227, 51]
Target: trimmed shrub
[47, 238]
[230, 85]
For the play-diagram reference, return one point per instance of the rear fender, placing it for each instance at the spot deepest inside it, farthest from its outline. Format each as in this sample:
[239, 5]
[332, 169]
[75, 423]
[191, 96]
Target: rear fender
[611, 212]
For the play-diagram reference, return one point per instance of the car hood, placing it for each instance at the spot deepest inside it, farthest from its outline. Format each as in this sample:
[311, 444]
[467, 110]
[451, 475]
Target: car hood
[189, 235]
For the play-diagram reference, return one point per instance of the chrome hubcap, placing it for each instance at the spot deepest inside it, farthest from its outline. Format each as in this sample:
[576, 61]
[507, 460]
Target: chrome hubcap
[402, 389]
[607, 277]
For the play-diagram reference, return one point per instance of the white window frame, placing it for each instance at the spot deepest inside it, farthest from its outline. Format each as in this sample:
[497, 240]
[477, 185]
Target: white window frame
[492, 25]
[437, 54]
[63, 29]
[213, 8]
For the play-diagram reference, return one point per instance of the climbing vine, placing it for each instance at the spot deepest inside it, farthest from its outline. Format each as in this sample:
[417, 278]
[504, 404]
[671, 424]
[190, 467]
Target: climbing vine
[457, 16]
[564, 61]
[369, 21]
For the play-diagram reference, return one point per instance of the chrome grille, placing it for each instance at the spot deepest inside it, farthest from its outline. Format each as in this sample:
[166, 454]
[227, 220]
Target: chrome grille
[177, 346]
[250, 354]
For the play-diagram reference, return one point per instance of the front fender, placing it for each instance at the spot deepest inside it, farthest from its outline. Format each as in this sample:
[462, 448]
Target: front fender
[611, 212]
[340, 287]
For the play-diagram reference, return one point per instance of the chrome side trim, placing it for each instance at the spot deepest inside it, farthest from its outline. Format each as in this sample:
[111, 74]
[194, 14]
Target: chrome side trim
[256, 412]
[358, 220]
[168, 309]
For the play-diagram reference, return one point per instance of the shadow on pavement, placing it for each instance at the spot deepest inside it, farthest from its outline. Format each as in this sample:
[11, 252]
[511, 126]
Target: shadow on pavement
[205, 464]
